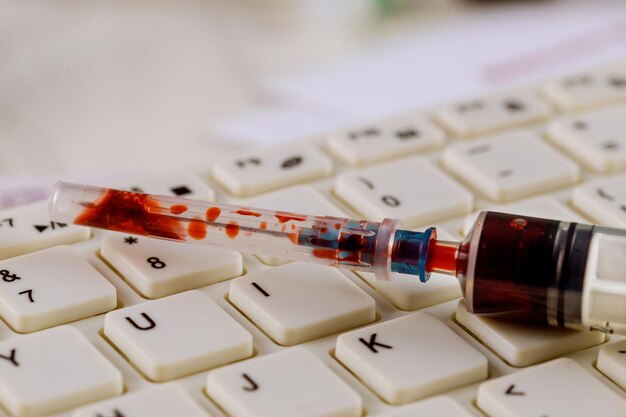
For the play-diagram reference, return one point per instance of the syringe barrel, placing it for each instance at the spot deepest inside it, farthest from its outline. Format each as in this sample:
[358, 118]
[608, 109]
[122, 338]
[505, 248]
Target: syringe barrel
[355, 244]
[539, 270]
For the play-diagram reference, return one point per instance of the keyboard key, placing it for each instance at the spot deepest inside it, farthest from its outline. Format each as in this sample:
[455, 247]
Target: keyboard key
[291, 383]
[157, 268]
[557, 388]
[163, 401]
[386, 140]
[522, 344]
[408, 293]
[410, 358]
[298, 199]
[51, 287]
[603, 200]
[483, 115]
[433, 407]
[588, 88]
[412, 190]
[272, 168]
[177, 335]
[510, 166]
[53, 370]
[542, 206]
[594, 139]
[179, 185]
[28, 228]
[612, 362]
[299, 301]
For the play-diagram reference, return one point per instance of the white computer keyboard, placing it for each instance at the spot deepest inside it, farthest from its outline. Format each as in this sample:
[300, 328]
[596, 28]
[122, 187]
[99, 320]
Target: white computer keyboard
[100, 324]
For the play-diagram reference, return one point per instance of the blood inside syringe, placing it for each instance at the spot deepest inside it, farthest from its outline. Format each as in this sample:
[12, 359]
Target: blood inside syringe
[141, 214]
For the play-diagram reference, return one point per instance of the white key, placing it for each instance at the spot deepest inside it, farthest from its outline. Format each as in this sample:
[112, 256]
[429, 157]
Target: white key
[177, 335]
[560, 388]
[595, 139]
[163, 401]
[542, 206]
[272, 168]
[28, 228]
[51, 287]
[179, 185]
[493, 113]
[433, 407]
[53, 370]
[510, 166]
[157, 268]
[291, 383]
[285, 301]
[410, 358]
[412, 190]
[603, 200]
[298, 199]
[612, 362]
[589, 88]
[522, 344]
[408, 293]
[386, 140]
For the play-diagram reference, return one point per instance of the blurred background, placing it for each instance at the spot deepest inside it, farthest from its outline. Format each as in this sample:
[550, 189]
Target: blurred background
[113, 89]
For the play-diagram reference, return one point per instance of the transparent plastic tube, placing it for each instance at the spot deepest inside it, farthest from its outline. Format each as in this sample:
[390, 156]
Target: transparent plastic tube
[377, 247]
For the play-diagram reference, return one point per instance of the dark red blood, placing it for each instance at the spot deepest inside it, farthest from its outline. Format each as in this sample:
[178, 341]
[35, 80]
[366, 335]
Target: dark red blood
[324, 230]
[284, 217]
[212, 213]
[263, 225]
[232, 229]
[178, 208]
[245, 212]
[337, 226]
[197, 229]
[129, 212]
[325, 253]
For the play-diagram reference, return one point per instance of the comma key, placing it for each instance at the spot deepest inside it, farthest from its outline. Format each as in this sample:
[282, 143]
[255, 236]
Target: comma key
[558, 388]
[27, 364]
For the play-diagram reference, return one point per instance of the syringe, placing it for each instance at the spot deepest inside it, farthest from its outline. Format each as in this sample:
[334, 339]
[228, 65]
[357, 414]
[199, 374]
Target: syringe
[561, 273]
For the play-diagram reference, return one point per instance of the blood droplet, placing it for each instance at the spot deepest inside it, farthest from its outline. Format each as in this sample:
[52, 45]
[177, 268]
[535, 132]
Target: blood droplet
[197, 229]
[263, 225]
[325, 253]
[212, 213]
[232, 229]
[284, 217]
[337, 226]
[178, 208]
[246, 212]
